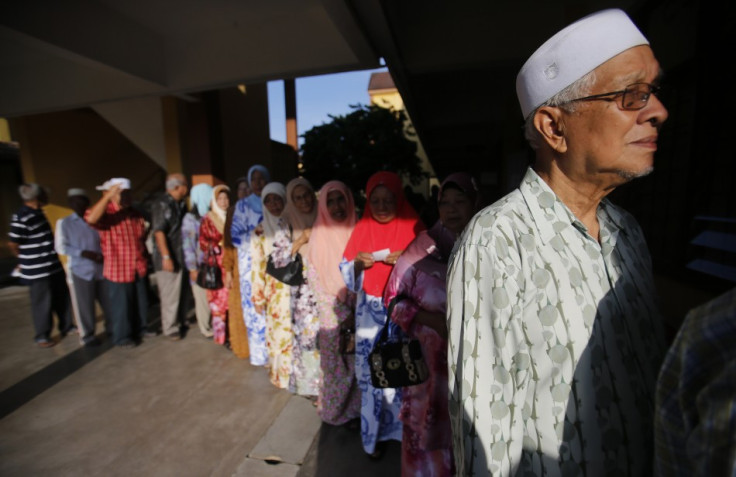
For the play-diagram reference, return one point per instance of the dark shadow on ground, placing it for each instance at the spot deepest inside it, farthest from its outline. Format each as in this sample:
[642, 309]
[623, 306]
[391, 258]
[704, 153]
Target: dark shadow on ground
[346, 456]
[22, 392]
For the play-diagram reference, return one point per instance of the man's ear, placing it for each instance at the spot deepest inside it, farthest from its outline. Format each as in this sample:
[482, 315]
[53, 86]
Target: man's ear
[548, 121]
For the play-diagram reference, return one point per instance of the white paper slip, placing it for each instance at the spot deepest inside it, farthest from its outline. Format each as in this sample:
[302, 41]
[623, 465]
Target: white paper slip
[380, 255]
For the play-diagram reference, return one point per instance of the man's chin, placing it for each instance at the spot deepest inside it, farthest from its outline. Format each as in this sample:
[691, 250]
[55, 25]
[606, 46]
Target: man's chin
[631, 175]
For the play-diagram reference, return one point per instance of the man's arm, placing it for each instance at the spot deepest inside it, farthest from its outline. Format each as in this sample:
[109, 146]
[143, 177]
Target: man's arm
[166, 262]
[14, 249]
[59, 238]
[159, 225]
[485, 397]
[98, 210]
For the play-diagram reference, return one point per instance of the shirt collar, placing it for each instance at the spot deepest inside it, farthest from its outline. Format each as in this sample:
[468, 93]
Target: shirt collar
[550, 215]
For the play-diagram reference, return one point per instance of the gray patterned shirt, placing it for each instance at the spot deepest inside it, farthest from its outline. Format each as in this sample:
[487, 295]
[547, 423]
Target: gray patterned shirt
[554, 341]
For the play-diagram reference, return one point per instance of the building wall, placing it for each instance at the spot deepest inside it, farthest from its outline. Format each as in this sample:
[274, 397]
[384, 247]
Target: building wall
[79, 149]
[243, 129]
[211, 137]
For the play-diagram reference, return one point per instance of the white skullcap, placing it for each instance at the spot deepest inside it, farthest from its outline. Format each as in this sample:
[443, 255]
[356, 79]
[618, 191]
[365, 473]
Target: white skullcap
[74, 191]
[572, 53]
[122, 181]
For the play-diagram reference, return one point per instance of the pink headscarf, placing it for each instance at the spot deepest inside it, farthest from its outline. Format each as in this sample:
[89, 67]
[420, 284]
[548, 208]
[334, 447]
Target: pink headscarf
[330, 238]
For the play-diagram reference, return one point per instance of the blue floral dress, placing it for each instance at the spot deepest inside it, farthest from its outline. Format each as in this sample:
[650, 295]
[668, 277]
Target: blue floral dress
[379, 412]
[246, 218]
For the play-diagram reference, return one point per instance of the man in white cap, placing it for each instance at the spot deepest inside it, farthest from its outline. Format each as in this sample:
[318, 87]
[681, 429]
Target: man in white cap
[81, 244]
[122, 232]
[554, 338]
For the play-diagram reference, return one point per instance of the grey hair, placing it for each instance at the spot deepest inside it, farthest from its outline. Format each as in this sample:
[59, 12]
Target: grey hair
[174, 181]
[29, 191]
[578, 89]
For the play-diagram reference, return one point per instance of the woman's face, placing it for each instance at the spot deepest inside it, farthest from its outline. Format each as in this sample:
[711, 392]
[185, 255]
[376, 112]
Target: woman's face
[257, 182]
[223, 200]
[455, 209]
[303, 198]
[274, 204]
[243, 189]
[383, 204]
[337, 206]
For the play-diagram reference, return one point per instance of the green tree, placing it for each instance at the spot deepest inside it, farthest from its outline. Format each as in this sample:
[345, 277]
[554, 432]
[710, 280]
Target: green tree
[352, 147]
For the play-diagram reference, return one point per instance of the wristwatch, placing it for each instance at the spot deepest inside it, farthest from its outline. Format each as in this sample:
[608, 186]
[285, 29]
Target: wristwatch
[166, 257]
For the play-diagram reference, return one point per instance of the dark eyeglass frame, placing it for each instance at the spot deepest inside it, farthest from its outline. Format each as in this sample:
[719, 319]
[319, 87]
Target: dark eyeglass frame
[630, 89]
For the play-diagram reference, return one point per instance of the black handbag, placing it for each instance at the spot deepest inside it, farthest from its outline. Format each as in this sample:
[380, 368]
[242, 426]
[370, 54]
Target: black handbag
[291, 274]
[209, 275]
[397, 362]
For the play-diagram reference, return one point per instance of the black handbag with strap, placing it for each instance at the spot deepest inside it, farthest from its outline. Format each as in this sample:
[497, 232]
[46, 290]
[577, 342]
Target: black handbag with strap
[209, 275]
[396, 362]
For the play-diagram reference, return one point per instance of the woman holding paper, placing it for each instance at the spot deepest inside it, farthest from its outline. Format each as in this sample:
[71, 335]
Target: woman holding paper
[389, 223]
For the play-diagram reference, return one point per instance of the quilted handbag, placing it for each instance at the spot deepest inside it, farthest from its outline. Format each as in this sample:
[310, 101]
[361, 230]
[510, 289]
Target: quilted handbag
[396, 362]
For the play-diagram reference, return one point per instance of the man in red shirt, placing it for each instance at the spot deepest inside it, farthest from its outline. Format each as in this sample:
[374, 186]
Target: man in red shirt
[122, 238]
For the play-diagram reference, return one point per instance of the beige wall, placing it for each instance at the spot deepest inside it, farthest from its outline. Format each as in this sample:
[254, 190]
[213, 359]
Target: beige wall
[211, 137]
[79, 149]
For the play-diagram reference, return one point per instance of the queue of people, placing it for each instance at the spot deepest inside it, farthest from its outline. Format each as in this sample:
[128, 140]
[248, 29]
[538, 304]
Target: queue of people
[297, 331]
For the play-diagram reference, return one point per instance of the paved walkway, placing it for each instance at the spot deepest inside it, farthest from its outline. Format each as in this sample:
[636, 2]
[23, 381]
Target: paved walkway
[187, 408]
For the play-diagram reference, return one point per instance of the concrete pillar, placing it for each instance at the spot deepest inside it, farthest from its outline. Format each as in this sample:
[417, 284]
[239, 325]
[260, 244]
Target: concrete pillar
[292, 138]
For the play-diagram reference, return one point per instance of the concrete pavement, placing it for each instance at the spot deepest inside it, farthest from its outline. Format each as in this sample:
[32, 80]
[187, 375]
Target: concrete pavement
[187, 408]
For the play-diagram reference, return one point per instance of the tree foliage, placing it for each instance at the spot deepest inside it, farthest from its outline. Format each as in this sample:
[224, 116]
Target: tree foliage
[352, 147]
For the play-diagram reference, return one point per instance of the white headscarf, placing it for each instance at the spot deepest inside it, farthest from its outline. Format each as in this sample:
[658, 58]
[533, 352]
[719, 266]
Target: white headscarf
[270, 221]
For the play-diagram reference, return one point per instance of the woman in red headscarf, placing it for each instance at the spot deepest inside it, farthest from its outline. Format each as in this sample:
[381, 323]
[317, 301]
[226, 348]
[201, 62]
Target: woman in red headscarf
[388, 225]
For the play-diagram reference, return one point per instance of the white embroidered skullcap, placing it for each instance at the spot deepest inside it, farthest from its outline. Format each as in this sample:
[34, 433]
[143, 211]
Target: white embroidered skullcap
[122, 181]
[573, 52]
[74, 191]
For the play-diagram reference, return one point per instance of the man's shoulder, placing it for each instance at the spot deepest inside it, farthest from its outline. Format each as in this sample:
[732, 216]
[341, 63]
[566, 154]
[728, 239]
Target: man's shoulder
[23, 214]
[507, 215]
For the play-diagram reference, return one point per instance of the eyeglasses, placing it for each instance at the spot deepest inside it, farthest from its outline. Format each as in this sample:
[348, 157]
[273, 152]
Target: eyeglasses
[633, 98]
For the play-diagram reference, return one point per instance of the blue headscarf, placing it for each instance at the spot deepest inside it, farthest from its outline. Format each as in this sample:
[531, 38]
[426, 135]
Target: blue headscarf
[200, 195]
[254, 202]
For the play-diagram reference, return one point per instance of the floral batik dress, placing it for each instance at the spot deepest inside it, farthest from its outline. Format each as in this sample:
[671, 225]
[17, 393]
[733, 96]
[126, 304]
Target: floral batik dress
[305, 378]
[275, 297]
[339, 398]
[245, 220]
[379, 412]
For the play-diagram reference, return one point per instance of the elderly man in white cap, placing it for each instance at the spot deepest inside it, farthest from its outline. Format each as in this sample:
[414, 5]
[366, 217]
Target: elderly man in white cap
[123, 233]
[554, 338]
[81, 244]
